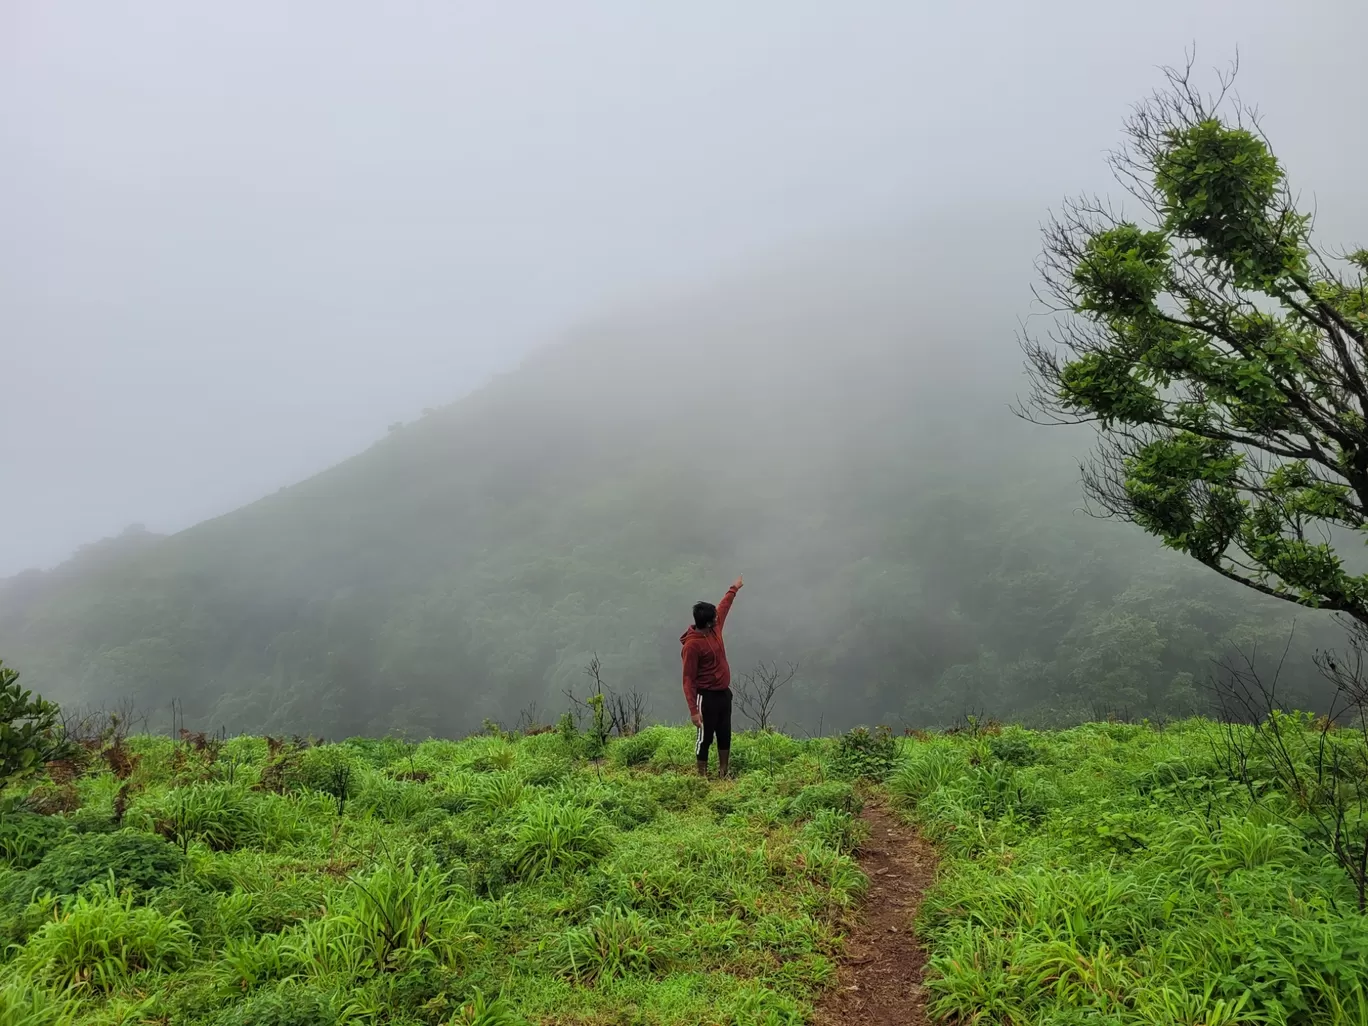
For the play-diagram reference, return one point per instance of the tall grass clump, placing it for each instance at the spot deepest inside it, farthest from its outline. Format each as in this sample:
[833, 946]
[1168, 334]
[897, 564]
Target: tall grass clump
[100, 940]
[221, 816]
[23, 1004]
[554, 837]
[615, 942]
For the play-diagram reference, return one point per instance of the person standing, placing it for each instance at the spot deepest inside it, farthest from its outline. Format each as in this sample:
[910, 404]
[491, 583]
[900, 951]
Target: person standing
[707, 679]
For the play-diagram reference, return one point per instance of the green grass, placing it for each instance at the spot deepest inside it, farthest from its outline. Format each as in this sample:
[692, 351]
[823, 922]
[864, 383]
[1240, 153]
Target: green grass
[496, 880]
[1117, 874]
[1108, 874]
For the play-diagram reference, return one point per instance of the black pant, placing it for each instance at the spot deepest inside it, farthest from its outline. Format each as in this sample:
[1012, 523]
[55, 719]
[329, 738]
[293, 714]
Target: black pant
[716, 709]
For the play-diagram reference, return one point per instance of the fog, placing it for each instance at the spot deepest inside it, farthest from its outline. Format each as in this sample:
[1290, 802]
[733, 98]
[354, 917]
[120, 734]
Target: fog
[241, 240]
[442, 352]
[834, 424]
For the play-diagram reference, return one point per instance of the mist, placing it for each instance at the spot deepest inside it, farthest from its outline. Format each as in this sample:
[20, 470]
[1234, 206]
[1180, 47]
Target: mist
[243, 241]
[835, 425]
[439, 354]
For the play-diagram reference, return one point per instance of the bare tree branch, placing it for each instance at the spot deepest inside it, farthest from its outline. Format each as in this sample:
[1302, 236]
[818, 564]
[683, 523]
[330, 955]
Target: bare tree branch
[757, 691]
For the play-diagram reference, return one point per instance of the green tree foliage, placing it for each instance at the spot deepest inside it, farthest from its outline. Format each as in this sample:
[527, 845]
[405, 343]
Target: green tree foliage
[29, 735]
[1221, 352]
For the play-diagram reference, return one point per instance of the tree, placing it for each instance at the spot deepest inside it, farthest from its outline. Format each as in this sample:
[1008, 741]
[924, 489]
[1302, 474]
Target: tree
[1222, 355]
[757, 691]
[28, 730]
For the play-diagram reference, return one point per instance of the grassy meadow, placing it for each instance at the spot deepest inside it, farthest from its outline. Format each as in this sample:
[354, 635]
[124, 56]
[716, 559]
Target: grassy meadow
[1111, 873]
[1117, 874]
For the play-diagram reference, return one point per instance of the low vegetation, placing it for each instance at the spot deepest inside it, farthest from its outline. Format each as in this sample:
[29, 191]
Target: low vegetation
[1111, 873]
[499, 879]
[1120, 874]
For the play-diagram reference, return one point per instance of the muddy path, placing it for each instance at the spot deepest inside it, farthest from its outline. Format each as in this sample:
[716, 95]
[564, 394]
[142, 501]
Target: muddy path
[880, 982]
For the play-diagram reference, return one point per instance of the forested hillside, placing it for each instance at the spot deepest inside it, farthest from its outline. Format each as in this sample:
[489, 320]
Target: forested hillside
[837, 429]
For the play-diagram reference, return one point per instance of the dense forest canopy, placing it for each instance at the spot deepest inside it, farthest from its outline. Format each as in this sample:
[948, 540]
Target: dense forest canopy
[836, 427]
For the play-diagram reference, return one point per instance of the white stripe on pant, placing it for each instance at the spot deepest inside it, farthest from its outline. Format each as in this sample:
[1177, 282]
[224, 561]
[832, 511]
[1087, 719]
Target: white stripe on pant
[698, 745]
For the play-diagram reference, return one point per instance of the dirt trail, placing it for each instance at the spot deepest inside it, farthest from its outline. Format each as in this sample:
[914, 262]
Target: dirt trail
[881, 973]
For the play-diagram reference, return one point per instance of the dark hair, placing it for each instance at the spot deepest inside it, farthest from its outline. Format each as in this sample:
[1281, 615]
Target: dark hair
[705, 614]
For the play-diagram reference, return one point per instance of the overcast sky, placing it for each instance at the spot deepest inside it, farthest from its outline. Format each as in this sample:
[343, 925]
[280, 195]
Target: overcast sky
[239, 239]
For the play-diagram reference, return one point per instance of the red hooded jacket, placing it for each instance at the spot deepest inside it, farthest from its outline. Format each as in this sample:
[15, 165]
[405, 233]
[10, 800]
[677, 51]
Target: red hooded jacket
[705, 657]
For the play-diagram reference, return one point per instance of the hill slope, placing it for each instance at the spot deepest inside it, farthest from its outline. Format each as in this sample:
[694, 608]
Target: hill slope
[836, 428]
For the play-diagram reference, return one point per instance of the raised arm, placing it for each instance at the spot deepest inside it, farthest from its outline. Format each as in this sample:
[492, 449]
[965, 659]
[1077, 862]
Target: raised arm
[724, 607]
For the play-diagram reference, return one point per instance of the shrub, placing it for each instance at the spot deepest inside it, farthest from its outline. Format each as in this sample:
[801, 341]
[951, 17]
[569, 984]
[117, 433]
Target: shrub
[132, 858]
[394, 801]
[835, 794]
[100, 940]
[927, 770]
[482, 859]
[53, 799]
[331, 769]
[865, 754]
[639, 747]
[544, 770]
[288, 1005]
[559, 837]
[837, 830]
[220, 815]
[29, 734]
[1013, 748]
